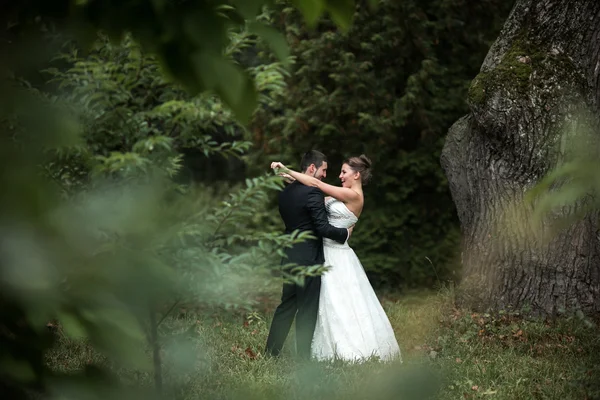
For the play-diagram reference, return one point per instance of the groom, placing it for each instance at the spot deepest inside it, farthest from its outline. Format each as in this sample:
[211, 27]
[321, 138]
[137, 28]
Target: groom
[303, 208]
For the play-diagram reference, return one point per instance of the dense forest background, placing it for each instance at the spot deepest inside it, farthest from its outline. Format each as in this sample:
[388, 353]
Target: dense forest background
[140, 228]
[390, 88]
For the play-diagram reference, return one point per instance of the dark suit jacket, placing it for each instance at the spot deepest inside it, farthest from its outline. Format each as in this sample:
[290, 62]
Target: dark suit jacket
[303, 207]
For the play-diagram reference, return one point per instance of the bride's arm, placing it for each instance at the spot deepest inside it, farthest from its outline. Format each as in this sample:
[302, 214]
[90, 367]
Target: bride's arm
[340, 193]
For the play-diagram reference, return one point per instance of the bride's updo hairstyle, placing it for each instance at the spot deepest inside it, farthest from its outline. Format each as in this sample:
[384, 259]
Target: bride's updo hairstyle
[361, 164]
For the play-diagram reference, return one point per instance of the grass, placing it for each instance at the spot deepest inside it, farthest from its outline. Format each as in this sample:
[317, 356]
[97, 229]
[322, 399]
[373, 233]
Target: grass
[448, 353]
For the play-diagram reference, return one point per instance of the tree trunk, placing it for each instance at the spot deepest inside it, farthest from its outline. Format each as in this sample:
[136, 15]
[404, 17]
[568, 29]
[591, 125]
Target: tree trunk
[539, 80]
[156, 357]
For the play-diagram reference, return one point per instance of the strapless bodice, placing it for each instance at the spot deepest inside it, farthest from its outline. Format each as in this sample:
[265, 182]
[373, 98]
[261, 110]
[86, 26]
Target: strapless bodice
[339, 216]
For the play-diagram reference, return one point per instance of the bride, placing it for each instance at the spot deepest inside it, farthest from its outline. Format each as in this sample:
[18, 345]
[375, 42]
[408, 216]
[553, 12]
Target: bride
[351, 324]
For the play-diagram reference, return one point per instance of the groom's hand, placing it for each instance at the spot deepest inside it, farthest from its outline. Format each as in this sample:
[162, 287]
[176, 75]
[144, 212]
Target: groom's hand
[350, 231]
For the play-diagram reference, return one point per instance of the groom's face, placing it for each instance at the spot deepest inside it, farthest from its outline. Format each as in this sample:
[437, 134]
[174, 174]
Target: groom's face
[320, 172]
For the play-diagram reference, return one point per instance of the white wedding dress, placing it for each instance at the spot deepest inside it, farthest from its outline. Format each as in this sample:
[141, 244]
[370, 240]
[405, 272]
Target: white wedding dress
[351, 324]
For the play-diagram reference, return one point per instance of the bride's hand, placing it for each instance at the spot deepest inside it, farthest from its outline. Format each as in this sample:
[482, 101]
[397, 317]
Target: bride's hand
[277, 164]
[286, 177]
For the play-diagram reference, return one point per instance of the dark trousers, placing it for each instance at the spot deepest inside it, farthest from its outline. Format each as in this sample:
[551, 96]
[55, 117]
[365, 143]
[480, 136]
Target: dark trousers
[301, 302]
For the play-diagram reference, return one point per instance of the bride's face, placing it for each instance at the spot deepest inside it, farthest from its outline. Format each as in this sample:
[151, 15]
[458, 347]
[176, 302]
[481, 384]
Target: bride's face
[348, 176]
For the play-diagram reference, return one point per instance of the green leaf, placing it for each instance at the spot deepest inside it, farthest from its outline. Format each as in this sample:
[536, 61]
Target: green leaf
[342, 12]
[119, 335]
[204, 23]
[72, 326]
[248, 8]
[181, 354]
[311, 9]
[273, 38]
[374, 4]
[230, 82]
[177, 66]
[18, 369]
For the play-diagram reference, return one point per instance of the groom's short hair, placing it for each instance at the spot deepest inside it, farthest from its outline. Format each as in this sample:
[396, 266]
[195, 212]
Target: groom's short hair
[312, 157]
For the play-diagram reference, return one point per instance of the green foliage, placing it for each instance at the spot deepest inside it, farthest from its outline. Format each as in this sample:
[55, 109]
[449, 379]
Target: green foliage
[570, 191]
[188, 37]
[102, 260]
[390, 88]
[136, 130]
[134, 119]
[574, 185]
[97, 234]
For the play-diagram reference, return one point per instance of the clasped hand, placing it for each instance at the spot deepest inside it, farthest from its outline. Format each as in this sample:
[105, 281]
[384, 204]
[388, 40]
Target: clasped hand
[277, 165]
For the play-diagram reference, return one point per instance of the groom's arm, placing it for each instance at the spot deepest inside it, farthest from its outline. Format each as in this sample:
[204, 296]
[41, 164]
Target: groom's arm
[318, 213]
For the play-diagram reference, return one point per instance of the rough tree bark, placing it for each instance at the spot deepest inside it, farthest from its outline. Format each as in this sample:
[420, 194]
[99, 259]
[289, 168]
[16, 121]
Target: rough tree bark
[538, 78]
